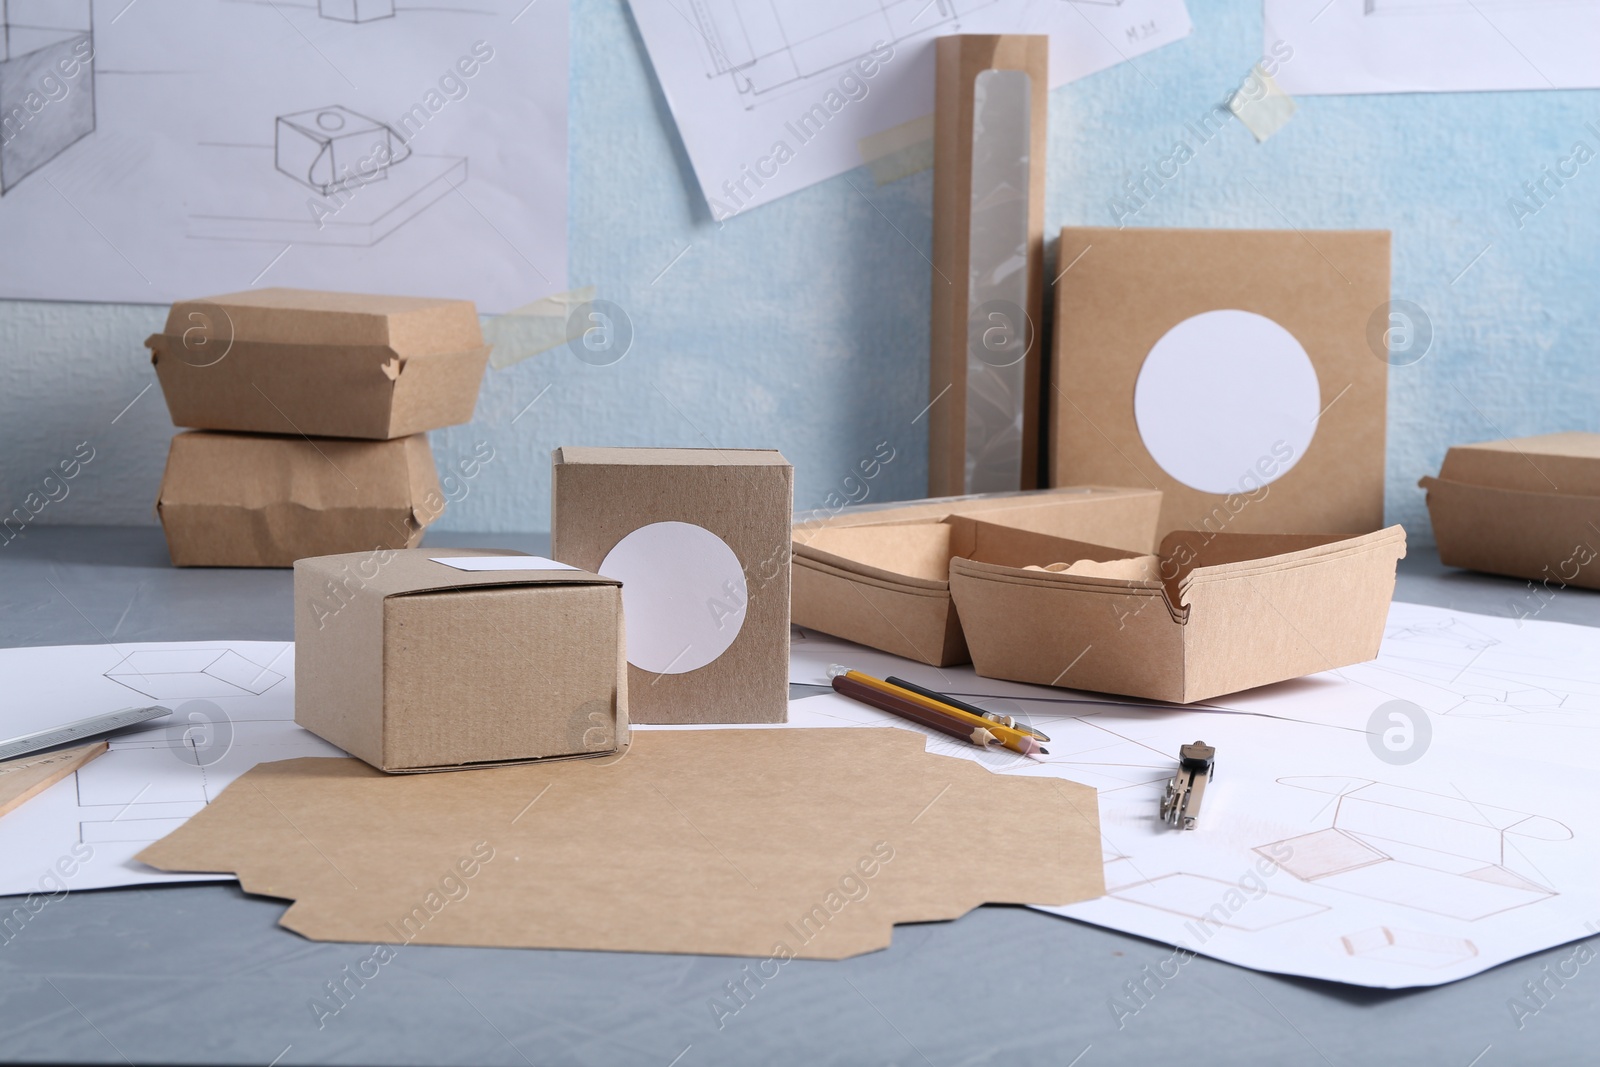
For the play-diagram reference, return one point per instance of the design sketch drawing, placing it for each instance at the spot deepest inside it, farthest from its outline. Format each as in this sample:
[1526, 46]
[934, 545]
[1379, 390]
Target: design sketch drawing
[1433, 853]
[355, 10]
[761, 46]
[364, 181]
[44, 110]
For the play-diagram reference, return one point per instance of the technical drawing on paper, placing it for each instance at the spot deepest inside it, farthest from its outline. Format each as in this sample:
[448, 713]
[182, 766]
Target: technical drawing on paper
[364, 181]
[330, 149]
[43, 110]
[232, 707]
[355, 10]
[1413, 948]
[762, 46]
[1196, 897]
[1434, 853]
[192, 674]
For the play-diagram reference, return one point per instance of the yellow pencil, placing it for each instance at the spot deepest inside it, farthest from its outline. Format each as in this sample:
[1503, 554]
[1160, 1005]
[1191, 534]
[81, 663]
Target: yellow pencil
[1011, 738]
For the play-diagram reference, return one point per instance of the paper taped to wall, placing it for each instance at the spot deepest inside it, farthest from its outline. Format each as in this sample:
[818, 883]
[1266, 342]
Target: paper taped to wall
[771, 96]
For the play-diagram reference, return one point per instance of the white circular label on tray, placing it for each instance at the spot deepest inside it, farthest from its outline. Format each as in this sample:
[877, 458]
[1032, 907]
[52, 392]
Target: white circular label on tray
[1227, 401]
[683, 595]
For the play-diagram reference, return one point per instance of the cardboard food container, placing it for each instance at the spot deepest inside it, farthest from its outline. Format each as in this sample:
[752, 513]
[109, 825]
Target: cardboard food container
[699, 538]
[1528, 507]
[324, 364]
[881, 578]
[1209, 614]
[415, 665]
[259, 500]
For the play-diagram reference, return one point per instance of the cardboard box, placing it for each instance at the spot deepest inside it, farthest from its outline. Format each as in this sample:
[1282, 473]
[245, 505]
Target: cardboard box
[323, 364]
[1242, 372]
[700, 540]
[258, 500]
[414, 665]
[1209, 615]
[881, 578]
[1527, 507]
[991, 126]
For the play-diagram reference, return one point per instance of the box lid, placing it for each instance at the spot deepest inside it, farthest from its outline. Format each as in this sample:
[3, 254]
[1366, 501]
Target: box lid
[417, 571]
[670, 457]
[1566, 463]
[411, 326]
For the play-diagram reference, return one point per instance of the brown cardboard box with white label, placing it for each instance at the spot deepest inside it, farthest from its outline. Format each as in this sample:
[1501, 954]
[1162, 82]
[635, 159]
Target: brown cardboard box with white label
[699, 538]
[416, 665]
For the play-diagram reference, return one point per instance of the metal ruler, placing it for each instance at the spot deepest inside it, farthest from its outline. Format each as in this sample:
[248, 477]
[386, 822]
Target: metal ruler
[77, 731]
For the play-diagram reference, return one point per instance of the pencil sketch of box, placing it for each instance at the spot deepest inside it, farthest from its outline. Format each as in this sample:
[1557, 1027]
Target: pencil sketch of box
[192, 674]
[333, 148]
[46, 83]
[355, 10]
[1439, 854]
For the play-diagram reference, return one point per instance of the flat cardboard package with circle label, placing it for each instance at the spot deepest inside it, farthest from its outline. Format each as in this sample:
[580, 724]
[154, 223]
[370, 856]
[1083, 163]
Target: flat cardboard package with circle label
[699, 539]
[1231, 369]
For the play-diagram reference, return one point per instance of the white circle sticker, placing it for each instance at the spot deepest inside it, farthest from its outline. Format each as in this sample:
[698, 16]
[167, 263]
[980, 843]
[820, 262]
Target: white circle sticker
[683, 595]
[1227, 401]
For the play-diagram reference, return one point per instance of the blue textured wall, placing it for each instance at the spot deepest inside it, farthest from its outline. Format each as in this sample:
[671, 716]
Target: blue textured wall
[803, 325]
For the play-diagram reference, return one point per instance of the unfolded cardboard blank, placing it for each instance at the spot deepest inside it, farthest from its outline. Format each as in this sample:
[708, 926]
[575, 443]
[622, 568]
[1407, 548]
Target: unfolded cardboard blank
[747, 842]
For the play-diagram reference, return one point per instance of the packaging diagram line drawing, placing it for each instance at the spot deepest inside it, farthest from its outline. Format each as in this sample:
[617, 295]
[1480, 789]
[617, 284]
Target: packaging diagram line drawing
[763, 46]
[363, 179]
[43, 112]
[355, 10]
[1434, 853]
[331, 149]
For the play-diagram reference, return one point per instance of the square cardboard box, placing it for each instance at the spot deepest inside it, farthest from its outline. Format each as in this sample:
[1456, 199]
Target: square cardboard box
[1208, 615]
[414, 665]
[263, 500]
[1528, 507]
[325, 364]
[1241, 372]
[881, 578]
[699, 538]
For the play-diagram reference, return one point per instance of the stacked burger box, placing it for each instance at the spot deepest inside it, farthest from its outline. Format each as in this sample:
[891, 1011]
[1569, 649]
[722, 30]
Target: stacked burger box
[306, 416]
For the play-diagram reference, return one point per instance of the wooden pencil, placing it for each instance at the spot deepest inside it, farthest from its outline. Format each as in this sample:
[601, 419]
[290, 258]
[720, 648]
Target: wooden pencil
[905, 709]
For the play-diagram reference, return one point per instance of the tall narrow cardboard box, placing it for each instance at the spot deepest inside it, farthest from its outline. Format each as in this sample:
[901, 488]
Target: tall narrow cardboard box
[990, 129]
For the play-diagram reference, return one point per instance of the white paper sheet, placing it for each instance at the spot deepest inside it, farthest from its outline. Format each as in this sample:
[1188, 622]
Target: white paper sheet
[501, 563]
[1407, 46]
[744, 77]
[1316, 855]
[233, 707]
[162, 171]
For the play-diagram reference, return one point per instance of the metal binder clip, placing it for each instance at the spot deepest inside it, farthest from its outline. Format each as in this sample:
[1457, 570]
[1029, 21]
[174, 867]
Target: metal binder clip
[1180, 803]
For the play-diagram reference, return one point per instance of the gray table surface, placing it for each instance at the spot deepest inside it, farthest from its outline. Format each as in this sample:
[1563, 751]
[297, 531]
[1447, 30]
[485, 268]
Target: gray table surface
[202, 974]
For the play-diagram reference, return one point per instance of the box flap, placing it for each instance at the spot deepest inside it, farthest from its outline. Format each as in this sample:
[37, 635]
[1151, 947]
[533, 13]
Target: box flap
[409, 325]
[669, 457]
[1565, 463]
[414, 571]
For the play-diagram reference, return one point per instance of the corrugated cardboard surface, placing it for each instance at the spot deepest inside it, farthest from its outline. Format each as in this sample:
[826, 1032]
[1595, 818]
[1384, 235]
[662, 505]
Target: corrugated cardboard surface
[324, 364]
[960, 58]
[1528, 507]
[1228, 612]
[258, 500]
[600, 495]
[1131, 286]
[881, 578]
[764, 843]
[413, 665]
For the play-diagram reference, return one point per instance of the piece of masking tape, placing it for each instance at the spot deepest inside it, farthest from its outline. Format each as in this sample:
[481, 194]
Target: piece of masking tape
[899, 151]
[1261, 105]
[537, 327]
